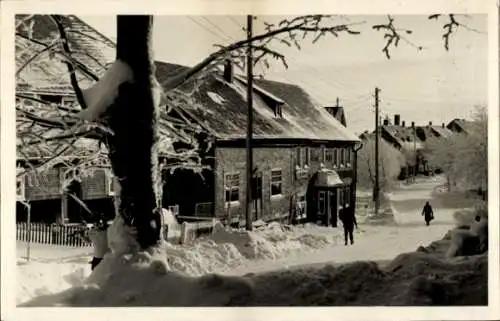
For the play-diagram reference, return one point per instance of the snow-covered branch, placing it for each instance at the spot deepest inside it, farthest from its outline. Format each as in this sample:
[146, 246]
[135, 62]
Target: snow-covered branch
[69, 63]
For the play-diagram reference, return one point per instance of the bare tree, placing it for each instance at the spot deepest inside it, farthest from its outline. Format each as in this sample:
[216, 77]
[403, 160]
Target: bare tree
[391, 161]
[463, 157]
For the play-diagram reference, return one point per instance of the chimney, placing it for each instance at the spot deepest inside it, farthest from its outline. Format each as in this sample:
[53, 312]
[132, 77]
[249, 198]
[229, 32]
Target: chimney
[228, 71]
[403, 123]
[396, 119]
[412, 124]
[430, 123]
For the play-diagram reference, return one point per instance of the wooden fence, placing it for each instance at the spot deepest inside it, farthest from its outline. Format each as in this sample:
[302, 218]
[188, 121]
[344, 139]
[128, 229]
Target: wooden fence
[54, 234]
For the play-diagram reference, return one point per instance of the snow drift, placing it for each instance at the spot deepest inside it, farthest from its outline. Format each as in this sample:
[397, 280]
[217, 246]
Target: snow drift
[423, 277]
[217, 253]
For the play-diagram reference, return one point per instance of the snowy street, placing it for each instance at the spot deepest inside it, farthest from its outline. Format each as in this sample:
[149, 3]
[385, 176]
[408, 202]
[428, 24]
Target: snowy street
[53, 269]
[378, 242]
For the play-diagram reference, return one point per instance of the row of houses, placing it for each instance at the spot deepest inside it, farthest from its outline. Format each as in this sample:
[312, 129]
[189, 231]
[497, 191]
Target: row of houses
[410, 140]
[304, 156]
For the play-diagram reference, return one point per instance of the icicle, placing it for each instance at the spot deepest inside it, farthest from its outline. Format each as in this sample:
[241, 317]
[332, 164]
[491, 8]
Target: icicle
[103, 93]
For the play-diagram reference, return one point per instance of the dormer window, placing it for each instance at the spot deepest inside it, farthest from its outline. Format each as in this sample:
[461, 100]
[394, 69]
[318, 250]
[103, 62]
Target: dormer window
[278, 111]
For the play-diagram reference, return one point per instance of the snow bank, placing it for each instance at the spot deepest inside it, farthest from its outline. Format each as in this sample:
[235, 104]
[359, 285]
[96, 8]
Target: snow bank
[220, 252]
[39, 278]
[417, 278]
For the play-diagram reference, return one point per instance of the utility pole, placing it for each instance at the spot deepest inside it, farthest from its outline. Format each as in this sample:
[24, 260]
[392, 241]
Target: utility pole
[249, 169]
[376, 189]
[415, 168]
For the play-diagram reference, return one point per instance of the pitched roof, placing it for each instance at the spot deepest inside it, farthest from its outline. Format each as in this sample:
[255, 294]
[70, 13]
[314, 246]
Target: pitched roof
[368, 138]
[442, 131]
[49, 73]
[466, 125]
[404, 136]
[223, 108]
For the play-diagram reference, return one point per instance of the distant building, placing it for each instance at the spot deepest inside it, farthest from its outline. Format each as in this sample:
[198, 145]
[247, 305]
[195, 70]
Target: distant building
[405, 139]
[458, 125]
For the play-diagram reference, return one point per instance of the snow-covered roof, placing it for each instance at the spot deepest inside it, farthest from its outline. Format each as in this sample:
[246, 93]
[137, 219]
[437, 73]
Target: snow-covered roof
[46, 71]
[328, 178]
[226, 116]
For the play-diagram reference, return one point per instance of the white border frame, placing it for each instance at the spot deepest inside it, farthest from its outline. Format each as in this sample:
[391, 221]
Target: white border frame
[282, 7]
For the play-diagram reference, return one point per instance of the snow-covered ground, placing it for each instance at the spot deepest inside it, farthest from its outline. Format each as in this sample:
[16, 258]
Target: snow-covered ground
[54, 269]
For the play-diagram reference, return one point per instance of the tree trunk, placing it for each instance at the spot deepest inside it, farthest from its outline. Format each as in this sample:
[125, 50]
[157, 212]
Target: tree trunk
[132, 144]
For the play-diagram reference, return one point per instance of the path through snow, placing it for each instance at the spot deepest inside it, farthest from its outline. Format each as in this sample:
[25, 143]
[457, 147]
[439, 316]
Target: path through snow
[379, 242]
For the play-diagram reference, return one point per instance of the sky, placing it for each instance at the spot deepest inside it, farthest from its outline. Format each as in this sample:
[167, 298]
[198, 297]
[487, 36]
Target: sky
[430, 85]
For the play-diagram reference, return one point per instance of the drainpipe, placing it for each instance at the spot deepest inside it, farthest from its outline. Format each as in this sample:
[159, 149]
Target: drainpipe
[355, 176]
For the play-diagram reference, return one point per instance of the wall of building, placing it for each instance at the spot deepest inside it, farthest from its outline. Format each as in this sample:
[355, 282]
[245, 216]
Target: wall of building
[231, 161]
[297, 165]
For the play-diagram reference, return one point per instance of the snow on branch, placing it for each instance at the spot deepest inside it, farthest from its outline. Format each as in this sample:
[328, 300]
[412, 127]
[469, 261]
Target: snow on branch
[451, 27]
[69, 63]
[393, 36]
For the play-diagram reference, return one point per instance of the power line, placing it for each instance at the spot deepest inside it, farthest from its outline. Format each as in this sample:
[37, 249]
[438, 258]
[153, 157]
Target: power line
[217, 27]
[354, 106]
[205, 27]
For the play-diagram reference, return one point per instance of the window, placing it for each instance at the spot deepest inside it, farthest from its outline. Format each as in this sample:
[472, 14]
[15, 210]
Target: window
[307, 156]
[335, 157]
[328, 155]
[232, 187]
[203, 209]
[298, 157]
[276, 182]
[278, 111]
[315, 155]
[321, 202]
[348, 157]
[257, 186]
[342, 157]
[303, 156]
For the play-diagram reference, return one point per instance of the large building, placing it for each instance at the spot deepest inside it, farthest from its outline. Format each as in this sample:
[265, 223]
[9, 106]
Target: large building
[303, 156]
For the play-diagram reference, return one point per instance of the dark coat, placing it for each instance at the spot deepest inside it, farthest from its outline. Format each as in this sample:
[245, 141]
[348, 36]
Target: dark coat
[348, 218]
[428, 212]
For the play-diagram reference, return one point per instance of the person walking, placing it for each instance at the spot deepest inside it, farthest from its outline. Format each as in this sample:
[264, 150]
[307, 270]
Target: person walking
[348, 219]
[428, 213]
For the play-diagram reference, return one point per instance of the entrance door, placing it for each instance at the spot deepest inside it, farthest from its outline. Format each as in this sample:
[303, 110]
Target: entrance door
[257, 207]
[324, 207]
